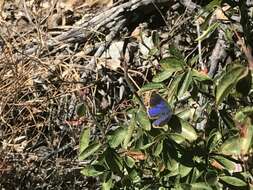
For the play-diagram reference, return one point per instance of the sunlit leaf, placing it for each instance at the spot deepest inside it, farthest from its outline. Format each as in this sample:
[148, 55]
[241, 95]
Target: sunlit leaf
[162, 76]
[130, 130]
[226, 163]
[153, 51]
[84, 140]
[92, 171]
[185, 83]
[184, 170]
[213, 140]
[228, 81]
[158, 149]
[245, 126]
[145, 146]
[172, 165]
[134, 175]
[89, 150]
[184, 128]
[246, 135]
[117, 136]
[186, 114]
[130, 161]
[214, 3]
[173, 88]
[200, 76]
[178, 138]
[151, 86]
[231, 146]
[188, 131]
[107, 185]
[233, 181]
[172, 64]
[200, 186]
[143, 119]
[243, 113]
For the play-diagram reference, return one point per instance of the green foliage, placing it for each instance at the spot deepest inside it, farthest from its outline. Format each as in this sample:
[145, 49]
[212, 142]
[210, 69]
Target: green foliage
[181, 154]
[177, 156]
[228, 81]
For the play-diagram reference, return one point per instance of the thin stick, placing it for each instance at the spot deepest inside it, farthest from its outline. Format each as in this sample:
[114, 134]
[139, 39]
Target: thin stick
[203, 67]
[129, 83]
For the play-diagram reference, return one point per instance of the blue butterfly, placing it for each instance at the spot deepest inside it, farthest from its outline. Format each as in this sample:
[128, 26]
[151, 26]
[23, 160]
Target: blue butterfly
[159, 110]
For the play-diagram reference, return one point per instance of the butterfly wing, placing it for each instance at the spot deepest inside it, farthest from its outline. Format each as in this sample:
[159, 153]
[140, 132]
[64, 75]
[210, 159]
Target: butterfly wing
[162, 120]
[160, 109]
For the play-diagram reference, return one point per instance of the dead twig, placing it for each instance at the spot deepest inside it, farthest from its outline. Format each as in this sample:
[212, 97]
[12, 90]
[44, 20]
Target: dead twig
[218, 53]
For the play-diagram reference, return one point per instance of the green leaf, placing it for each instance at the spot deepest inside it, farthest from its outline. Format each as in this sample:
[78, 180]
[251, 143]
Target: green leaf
[176, 53]
[89, 150]
[233, 181]
[246, 137]
[184, 170]
[231, 146]
[130, 130]
[173, 88]
[84, 140]
[144, 147]
[134, 175]
[117, 136]
[183, 127]
[228, 81]
[208, 31]
[162, 76]
[169, 157]
[172, 64]
[152, 86]
[243, 113]
[186, 114]
[213, 140]
[178, 138]
[143, 120]
[200, 76]
[107, 185]
[172, 165]
[158, 148]
[153, 51]
[200, 186]
[214, 3]
[245, 124]
[185, 83]
[114, 162]
[188, 131]
[80, 109]
[129, 161]
[92, 171]
[226, 163]
[211, 177]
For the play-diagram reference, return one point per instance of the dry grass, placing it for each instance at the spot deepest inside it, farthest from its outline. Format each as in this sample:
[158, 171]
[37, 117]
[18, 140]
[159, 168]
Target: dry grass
[40, 91]
[38, 96]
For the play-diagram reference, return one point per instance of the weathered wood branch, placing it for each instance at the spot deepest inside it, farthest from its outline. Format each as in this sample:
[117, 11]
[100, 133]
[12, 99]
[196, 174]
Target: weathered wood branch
[120, 16]
[107, 21]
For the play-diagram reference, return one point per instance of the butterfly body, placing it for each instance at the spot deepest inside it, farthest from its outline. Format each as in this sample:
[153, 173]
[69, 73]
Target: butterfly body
[159, 110]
